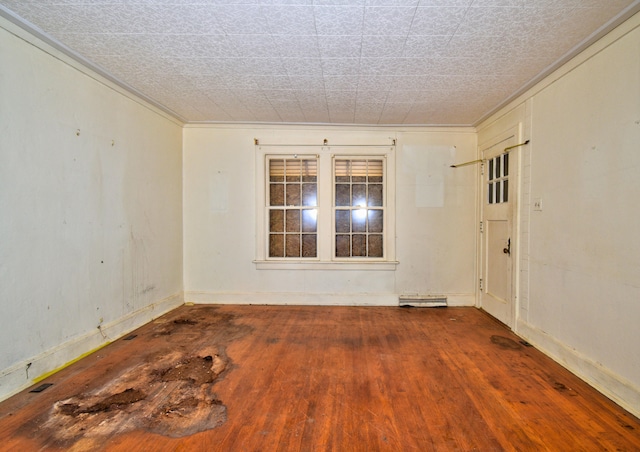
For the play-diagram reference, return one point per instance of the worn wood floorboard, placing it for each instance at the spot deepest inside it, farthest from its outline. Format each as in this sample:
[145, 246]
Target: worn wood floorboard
[289, 378]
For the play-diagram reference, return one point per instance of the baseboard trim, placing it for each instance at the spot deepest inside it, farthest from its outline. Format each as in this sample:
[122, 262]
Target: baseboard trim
[310, 299]
[27, 372]
[621, 391]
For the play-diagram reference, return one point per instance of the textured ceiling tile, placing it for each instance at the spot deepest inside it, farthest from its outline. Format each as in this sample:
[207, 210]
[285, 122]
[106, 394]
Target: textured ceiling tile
[387, 20]
[339, 2]
[375, 82]
[304, 82]
[493, 3]
[345, 98]
[372, 97]
[290, 19]
[382, 46]
[447, 3]
[303, 66]
[494, 21]
[274, 82]
[437, 20]
[341, 66]
[380, 66]
[341, 82]
[339, 20]
[241, 19]
[404, 96]
[448, 61]
[426, 46]
[253, 45]
[412, 66]
[297, 46]
[392, 2]
[340, 46]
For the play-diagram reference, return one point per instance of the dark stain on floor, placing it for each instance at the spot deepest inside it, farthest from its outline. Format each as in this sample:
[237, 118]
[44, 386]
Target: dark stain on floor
[167, 391]
[505, 342]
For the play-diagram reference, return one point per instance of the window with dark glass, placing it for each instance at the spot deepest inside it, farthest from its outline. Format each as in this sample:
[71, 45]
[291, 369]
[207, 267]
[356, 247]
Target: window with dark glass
[498, 179]
[359, 207]
[293, 209]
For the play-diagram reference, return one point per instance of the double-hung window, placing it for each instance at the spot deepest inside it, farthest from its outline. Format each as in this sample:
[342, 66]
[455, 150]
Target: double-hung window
[359, 207]
[293, 207]
[320, 207]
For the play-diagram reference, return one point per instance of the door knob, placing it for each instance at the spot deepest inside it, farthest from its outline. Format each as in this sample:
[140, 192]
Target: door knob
[507, 250]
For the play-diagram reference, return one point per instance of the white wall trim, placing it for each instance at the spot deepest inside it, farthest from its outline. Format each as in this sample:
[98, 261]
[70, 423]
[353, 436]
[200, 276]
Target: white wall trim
[27, 372]
[312, 299]
[621, 391]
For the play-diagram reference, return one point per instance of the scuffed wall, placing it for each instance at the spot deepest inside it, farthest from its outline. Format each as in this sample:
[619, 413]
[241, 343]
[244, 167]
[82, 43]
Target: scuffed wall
[579, 292]
[91, 211]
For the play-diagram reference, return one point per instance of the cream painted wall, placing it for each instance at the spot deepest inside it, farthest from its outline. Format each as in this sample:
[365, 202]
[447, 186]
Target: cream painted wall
[580, 281]
[435, 221]
[90, 211]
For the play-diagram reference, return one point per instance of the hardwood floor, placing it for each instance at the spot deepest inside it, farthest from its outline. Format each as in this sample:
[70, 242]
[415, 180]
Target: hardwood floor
[269, 378]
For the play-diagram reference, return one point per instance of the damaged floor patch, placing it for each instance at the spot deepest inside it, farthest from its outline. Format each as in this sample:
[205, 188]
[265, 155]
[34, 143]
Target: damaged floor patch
[169, 394]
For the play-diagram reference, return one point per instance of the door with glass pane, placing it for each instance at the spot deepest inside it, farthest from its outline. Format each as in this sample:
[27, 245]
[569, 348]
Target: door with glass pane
[497, 234]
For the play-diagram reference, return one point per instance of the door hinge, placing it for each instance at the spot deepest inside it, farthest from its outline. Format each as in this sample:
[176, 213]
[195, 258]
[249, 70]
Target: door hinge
[481, 227]
[482, 169]
[481, 288]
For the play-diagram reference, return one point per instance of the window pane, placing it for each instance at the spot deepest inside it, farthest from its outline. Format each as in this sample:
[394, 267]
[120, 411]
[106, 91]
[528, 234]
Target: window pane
[359, 170]
[359, 245]
[343, 195]
[374, 171]
[375, 245]
[343, 223]
[276, 245]
[293, 220]
[505, 189]
[491, 169]
[293, 194]
[342, 170]
[293, 170]
[505, 163]
[276, 170]
[359, 220]
[309, 220]
[343, 246]
[276, 221]
[309, 247]
[359, 196]
[375, 220]
[276, 195]
[498, 184]
[309, 170]
[293, 245]
[375, 195]
[309, 195]
[497, 165]
[490, 192]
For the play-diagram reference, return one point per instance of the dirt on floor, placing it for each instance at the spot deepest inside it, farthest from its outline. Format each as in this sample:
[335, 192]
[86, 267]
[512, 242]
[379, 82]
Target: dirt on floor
[169, 393]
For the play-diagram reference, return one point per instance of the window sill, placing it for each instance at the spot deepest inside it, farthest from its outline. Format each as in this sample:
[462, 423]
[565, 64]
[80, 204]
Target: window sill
[335, 265]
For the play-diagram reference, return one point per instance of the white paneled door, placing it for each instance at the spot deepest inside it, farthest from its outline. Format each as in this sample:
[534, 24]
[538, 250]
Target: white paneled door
[497, 231]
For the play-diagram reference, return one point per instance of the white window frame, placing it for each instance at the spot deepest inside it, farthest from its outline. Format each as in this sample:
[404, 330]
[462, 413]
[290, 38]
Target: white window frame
[326, 219]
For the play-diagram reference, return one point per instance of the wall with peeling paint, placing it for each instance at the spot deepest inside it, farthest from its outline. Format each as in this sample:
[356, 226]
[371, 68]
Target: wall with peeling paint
[90, 211]
[579, 268]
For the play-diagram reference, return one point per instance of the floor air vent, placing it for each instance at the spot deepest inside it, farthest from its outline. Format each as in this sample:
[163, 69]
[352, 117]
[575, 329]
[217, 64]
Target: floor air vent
[423, 301]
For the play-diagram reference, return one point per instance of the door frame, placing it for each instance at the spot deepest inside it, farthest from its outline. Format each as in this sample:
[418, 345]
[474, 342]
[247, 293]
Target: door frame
[499, 141]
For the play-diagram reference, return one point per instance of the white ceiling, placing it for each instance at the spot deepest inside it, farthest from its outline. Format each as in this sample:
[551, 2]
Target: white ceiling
[401, 62]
